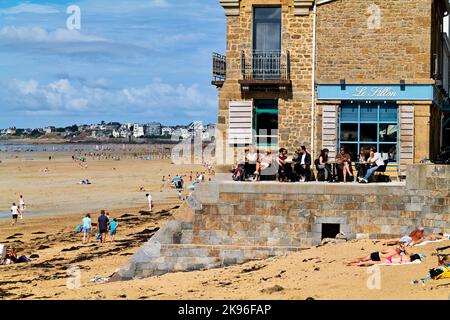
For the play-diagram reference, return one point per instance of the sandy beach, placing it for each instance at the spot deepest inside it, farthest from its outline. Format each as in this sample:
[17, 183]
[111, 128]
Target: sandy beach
[58, 203]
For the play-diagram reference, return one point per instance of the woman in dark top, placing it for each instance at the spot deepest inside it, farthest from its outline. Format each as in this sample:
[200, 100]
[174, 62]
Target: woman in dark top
[283, 171]
[324, 165]
[344, 161]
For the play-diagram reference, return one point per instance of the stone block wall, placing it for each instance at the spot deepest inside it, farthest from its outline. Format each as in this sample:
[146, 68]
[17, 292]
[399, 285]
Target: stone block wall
[294, 105]
[348, 47]
[239, 222]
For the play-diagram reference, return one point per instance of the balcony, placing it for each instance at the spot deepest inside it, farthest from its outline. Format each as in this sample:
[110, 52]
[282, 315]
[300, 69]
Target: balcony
[265, 70]
[262, 70]
[219, 69]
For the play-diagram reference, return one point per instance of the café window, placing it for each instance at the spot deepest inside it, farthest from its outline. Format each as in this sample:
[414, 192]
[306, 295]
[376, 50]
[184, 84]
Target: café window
[266, 122]
[363, 125]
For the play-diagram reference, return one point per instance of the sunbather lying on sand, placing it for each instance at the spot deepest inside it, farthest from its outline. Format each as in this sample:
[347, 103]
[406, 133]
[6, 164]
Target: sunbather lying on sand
[388, 256]
[417, 237]
[441, 272]
[408, 240]
[432, 237]
[379, 256]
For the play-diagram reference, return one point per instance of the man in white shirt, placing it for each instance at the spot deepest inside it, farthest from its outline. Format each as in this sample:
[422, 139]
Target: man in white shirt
[15, 212]
[375, 158]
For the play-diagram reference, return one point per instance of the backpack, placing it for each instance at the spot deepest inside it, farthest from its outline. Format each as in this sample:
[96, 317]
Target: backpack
[238, 174]
[79, 228]
[437, 274]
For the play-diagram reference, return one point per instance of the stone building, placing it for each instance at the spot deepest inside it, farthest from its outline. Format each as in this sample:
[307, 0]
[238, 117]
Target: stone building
[331, 73]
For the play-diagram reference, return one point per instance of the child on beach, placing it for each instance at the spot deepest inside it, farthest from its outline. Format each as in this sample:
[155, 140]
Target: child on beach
[113, 229]
[87, 228]
[21, 207]
[15, 212]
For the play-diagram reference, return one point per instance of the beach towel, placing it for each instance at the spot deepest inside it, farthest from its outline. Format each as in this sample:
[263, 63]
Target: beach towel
[428, 242]
[400, 264]
[100, 280]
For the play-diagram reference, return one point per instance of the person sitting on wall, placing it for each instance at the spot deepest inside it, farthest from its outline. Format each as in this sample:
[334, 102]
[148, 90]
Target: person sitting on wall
[344, 163]
[323, 166]
[375, 158]
[284, 168]
[251, 159]
[263, 164]
[302, 165]
[362, 167]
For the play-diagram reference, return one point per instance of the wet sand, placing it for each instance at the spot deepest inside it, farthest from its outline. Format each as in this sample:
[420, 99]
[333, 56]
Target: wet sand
[317, 273]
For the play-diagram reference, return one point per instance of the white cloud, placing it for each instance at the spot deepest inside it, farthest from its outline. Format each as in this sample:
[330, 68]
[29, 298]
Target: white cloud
[63, 97]
[39, 34]
[29, 8]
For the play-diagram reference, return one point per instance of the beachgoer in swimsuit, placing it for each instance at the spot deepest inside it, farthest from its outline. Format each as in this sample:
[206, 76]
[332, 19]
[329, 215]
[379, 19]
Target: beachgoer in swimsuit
[379, 256]
[401, 259]
[409, 240]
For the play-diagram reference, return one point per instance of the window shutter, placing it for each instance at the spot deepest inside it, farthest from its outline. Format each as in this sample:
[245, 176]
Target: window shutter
[240, 130]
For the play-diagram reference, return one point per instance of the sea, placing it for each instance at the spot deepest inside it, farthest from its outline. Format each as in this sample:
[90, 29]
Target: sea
[7, 146]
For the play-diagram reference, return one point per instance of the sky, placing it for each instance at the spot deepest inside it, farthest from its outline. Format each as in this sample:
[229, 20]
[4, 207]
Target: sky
[129, 61]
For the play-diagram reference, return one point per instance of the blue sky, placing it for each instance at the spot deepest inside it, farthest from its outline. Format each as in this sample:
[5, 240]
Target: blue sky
[131, 61]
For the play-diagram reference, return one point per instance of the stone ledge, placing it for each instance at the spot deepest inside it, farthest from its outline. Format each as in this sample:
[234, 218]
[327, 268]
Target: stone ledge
[231, 7]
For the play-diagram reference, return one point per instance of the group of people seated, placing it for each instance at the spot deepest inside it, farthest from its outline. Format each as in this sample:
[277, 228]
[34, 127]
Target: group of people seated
[299, 167]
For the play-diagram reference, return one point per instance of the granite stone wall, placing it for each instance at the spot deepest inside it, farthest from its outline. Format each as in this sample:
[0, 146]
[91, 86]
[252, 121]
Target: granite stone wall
[238, 222]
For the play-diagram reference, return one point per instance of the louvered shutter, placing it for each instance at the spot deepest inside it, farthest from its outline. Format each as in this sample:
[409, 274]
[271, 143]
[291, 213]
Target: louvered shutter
[240, 130]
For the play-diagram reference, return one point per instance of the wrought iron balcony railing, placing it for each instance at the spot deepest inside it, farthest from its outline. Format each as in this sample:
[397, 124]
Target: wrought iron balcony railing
[219, 67]
[266, 65]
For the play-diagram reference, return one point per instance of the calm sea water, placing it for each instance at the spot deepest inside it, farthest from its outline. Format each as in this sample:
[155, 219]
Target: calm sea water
[7, 215]
[6, 146]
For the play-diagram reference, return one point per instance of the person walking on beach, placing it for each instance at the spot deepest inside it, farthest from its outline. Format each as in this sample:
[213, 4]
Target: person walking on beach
[102, 226]
[150, 202]
[15, 212]
[21, 207]
[87, 226]
[113, 229]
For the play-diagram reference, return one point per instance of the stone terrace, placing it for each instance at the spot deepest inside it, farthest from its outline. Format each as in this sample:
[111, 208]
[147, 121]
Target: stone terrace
[239, 222]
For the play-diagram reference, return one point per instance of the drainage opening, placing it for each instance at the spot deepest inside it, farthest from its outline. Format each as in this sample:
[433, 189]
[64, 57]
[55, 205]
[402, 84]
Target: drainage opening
[330, 230]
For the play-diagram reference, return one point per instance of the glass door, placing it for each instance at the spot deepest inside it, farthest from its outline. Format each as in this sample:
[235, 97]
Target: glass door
[266, 122]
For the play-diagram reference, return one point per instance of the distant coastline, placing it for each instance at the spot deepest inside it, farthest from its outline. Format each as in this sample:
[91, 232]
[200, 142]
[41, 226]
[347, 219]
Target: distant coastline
[88, 141]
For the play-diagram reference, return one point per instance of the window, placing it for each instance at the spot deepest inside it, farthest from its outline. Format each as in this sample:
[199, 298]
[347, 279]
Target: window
[267, 29]
[363, 125]
[266, 122]
[266, 57]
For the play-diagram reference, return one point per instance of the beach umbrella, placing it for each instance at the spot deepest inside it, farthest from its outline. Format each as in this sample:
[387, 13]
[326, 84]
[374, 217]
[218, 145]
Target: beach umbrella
[176, 179]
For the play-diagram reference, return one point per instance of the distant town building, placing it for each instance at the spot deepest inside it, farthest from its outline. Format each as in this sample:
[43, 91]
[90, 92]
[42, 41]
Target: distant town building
[167, 131]
[48, 130]
[153, 129]
[138, 130]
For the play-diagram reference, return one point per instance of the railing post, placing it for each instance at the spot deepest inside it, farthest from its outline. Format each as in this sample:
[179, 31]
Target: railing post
[243, 64]
[288, 65]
